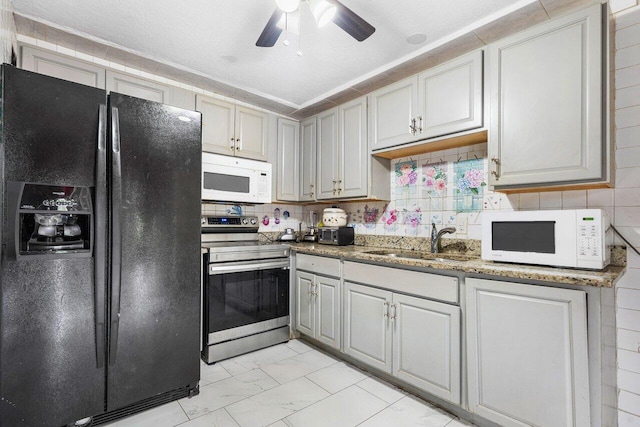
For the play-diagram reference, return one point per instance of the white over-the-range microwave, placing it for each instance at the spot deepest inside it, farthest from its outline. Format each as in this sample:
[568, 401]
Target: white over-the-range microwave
[236, 180]
[578, 238]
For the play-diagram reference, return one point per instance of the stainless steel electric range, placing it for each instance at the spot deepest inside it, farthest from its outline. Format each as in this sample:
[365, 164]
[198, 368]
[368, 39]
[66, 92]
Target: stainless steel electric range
[245, 288]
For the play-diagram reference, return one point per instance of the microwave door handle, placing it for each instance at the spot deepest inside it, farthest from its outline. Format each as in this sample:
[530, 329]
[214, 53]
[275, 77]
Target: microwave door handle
[116, 235]
[100, 240]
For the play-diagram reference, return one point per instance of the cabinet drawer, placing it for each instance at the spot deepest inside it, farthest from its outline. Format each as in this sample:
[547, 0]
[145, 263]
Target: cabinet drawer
[318, 264]
[425, 285]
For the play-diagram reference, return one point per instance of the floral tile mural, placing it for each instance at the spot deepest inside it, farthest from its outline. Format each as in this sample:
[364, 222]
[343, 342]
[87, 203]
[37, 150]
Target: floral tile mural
[412, 221]
[390, 220]
[434, 178]
[371, 216]
[469, 182]
[406, 179]
[434, 184]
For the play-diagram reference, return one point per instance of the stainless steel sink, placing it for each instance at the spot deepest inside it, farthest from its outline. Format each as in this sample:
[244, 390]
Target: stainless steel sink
[419, 255]
[395, 254]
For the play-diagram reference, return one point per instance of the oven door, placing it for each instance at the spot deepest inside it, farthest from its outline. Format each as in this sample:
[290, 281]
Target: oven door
[245, 298]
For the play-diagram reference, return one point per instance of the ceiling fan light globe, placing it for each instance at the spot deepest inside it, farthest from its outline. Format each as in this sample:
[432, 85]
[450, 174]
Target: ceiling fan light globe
[288, 6]
[322, 11]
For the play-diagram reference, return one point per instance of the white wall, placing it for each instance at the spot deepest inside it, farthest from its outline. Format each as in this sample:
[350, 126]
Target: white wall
[7, 30]
[627, 210]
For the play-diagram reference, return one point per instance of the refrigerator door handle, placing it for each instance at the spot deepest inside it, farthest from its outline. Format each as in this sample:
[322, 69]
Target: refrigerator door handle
[100, 242]
[116, 234]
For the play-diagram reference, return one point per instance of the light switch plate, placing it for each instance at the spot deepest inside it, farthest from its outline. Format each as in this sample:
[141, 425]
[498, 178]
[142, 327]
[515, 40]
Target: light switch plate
[461, 223]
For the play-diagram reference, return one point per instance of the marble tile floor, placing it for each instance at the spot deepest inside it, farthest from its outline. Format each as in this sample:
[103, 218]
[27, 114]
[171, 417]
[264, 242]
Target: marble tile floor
[292, 384]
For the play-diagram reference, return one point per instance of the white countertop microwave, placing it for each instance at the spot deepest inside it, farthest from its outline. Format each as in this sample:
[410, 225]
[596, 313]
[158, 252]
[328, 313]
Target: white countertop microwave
[235, 180]
[578, 238]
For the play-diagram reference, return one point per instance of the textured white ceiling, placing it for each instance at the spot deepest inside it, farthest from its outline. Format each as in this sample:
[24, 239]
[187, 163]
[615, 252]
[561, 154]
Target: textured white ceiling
[216, 38]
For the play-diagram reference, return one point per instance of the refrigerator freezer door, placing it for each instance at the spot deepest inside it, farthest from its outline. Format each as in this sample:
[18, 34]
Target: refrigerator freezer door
[157, 348]
[49, 373]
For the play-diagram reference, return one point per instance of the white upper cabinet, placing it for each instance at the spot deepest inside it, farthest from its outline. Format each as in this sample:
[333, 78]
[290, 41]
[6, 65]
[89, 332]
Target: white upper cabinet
[392, 110]
[443, 100]
[288, 160]
[308, 160]
[232, 129]
[546, 104]
[328, 170]
[127, 84]
[62, 67]
[450, 97]
[343, 155]
[353, 153]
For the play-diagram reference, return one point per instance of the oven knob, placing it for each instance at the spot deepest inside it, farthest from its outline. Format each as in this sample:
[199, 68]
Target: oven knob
[253, 221]
[244, 221]
[203, 220]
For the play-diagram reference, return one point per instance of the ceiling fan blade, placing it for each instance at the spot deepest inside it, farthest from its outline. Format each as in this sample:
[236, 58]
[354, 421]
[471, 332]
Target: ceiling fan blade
[352, 23]
[271, 31]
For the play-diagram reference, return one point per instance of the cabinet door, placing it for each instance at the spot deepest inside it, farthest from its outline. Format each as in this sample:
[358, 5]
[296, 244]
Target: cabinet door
[61, 67]
[308, 160]
[546, 109]
[328, 154]
[217, 125]
[353, 152]
[287, 163]
[251, 133]
[328, 310]
[138, 87]
[367, 329]
[391, 110]
[451, 97]
[426, 343]
[305, 319]
[527, 354]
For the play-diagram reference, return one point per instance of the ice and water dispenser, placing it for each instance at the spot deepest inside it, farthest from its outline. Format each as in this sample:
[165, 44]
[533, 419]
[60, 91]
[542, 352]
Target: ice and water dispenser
[52, 221]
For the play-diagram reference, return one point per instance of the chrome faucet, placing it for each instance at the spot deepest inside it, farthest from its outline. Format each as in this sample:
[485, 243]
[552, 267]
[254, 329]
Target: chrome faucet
[436, 235]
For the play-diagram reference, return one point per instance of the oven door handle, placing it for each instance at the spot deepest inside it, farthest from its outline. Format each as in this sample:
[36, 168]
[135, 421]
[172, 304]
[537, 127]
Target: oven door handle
[238, 267]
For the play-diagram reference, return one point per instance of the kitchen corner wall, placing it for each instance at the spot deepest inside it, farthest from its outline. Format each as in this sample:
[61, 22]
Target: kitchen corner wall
[7, 31]
[627, 210]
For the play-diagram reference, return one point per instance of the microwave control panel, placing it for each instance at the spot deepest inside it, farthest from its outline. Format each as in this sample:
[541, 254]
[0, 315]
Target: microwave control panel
[590, 243]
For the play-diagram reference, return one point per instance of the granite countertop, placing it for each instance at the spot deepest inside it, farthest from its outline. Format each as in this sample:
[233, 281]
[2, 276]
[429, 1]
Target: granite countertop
[603, 278]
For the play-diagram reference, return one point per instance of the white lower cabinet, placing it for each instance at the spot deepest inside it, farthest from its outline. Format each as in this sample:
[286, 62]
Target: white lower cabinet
[367, 330]
[527, 354]
[318, 307]
[426, 345]
[415, 339]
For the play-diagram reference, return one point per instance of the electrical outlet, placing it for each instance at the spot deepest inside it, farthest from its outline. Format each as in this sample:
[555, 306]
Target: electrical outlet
[461, 223]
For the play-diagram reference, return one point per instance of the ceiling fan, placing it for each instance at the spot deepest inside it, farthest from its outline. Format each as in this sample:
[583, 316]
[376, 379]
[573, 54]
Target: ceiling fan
[324, 11]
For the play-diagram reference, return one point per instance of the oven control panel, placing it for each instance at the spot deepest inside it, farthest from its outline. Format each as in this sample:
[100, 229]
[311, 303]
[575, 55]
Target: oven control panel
[217, 223]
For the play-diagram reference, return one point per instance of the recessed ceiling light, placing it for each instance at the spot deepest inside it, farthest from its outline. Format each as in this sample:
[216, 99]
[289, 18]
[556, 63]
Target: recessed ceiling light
[417, 38]
[184, 118]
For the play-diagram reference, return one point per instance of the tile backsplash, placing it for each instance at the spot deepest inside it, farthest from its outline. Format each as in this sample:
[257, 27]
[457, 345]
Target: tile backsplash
[448, 188]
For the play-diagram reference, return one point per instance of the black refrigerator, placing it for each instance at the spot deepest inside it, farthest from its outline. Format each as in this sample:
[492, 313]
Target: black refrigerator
[100, 255]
